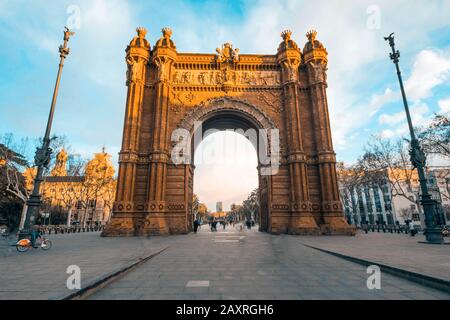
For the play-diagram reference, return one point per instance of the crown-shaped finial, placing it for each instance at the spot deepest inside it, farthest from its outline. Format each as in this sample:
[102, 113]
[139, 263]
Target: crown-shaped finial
[167, 32]
[286, 35]
[311, 35]
[141, 31]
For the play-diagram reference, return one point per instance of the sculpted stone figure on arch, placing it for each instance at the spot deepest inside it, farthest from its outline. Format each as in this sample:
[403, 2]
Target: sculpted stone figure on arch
[282, 92]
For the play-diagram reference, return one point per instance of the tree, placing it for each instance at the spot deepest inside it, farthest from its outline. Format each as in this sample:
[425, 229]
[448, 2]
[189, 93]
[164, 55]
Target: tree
[350, 179]
[199, 210]
[202, 211]
[251, 205]
[436, 137]
[406, 214]
[386, 163]
[195, 204]
[98, 182]
[12, 164]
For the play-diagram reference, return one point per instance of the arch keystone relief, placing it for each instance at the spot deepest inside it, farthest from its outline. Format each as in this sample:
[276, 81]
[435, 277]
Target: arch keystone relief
[282, 96]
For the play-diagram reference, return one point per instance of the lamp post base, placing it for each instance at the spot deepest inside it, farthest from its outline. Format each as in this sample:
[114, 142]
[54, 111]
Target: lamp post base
[434, 235]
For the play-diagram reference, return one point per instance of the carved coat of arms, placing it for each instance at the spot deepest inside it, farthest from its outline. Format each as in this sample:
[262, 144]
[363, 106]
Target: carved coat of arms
[227, 53]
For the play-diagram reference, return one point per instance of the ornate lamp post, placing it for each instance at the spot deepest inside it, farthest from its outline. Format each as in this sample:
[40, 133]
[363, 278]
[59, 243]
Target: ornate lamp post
[43, 154]
[433, 231]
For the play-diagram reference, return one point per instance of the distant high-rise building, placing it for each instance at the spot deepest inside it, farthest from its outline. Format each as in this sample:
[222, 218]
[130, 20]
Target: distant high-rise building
[219, 206]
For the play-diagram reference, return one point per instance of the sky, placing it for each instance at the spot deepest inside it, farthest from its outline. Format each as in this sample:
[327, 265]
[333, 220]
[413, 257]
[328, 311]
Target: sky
[363, 93]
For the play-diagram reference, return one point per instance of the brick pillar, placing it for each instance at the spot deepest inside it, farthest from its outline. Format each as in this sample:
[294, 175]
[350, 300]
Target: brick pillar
[302, 220]
[123, 219]
[333, 221]
[163, 57]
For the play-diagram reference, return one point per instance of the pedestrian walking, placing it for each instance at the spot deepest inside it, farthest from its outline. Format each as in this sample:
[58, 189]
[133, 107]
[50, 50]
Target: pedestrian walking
[196, 224]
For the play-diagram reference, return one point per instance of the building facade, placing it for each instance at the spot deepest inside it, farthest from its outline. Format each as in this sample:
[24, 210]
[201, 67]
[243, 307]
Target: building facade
[397, 201]
[84, 199]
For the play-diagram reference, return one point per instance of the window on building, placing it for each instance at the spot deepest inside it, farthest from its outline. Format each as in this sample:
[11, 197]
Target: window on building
[371, 219]
[79, 205]
[380, 219]
[92, 203]
[377, 200]
[416, 217]
[390, 219]
[361, 203]
[413, 207]
[364, 219]
[368, 200]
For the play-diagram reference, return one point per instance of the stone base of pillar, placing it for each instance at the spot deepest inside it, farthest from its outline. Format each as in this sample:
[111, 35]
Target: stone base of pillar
[155, 225]
[120, 227]
[337, 225]
[303, 225]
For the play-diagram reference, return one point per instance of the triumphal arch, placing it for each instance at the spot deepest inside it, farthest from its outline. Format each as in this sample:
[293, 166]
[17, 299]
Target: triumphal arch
[170, 91]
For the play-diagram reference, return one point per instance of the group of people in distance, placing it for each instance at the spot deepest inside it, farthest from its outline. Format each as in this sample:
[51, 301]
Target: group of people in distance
[213, 224]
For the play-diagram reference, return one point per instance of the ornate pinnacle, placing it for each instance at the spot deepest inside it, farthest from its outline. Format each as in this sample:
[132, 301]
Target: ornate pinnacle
[311, 35]
[167, 32]
[141, 31]
[286, 35]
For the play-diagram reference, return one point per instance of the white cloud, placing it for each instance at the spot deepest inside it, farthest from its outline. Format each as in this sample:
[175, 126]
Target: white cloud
[392, 119]
[444, 105]
[98, 49]
[398, 126]
[387, 134]
[431, 68]
[378, 101]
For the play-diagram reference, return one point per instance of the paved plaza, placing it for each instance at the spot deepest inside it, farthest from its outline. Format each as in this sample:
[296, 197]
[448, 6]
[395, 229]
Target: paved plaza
[224, 265]
[395, 250]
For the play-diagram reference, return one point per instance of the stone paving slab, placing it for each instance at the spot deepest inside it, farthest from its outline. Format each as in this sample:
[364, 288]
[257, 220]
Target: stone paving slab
[261, 266]
[396, 250]
[39, 274]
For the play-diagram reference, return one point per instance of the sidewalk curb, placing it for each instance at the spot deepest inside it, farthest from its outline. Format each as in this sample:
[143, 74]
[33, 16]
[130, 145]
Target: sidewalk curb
[431, 282]
[108, 279]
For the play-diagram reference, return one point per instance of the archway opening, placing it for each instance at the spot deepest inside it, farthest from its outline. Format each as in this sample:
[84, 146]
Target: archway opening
[226, 178]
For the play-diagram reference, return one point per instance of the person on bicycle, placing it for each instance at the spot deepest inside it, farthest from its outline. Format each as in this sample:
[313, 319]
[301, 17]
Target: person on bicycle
[35, 234]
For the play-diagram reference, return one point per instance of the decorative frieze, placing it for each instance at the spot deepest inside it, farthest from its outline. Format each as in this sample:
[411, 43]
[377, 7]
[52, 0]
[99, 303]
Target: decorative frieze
[220, 77]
